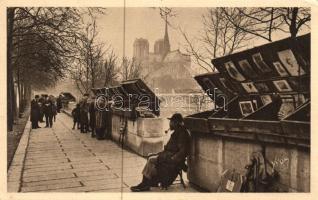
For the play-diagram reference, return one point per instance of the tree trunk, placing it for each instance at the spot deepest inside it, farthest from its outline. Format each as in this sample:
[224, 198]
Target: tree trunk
[28, 94]
[19, 93]
[10, 84]
[22, 101]
[293, 23]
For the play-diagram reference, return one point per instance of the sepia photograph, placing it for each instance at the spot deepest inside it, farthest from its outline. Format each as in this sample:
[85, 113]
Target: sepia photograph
[250, 87]
[247, 69]
[261, 65]
[233, 72]
[280, 69]
[287, 57]
[282, 86]
[246, 107]
[125, 99]
[266, 99]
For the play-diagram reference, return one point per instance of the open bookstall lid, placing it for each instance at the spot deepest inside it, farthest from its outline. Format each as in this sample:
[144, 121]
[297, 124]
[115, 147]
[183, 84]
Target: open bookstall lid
[278, 67]
[134, 91]
[258, 74]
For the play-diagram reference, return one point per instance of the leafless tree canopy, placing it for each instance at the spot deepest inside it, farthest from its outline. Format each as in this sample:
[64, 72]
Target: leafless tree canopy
[41, 47]
[229, 29]
[263, 22]
[130, 68]
[219, 37]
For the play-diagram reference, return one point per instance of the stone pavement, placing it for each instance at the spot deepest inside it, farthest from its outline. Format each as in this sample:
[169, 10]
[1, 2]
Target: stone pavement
[60, 159]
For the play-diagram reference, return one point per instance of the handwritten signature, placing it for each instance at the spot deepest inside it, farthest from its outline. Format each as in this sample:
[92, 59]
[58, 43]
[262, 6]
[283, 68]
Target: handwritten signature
[280, 161]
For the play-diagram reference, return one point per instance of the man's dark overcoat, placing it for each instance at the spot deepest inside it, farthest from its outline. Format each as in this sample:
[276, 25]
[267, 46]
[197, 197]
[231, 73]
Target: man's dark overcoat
[172, 158]
[35, 111]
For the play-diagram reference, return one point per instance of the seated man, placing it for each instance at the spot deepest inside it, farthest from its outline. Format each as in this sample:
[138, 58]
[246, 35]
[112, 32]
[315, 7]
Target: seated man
[165, 167]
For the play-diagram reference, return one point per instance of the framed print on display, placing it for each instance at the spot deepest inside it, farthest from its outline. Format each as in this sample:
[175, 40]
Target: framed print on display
[209, 84]
[246, 107]
[282, 86]
[262, 87]
[299, 99]
[225, 85]
[288, 59]
[247, 68]
[280, 69]
[287, 107]
[249, 87]
[233, 72]
[255, 104]
[260, 63]
[223, 82]
[266, 99]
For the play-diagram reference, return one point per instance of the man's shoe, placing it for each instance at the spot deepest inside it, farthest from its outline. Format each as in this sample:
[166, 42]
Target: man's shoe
[140, 188]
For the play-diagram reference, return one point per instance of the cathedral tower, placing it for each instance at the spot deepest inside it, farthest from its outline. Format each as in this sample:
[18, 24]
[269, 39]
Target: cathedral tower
[166, 43]
[141, 48]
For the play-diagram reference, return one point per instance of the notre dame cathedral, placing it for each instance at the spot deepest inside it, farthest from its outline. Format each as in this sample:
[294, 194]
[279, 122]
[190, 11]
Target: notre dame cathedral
[167, 70]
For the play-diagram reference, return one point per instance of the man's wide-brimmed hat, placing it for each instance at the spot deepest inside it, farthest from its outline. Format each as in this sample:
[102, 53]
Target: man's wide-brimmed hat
[177, 117]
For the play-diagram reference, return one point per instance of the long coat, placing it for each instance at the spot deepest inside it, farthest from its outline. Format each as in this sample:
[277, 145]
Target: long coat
[48, 108]
[172, 158]
[91, 109]
[35, 111]
[76, 113]
[84, 107]
[58, 103]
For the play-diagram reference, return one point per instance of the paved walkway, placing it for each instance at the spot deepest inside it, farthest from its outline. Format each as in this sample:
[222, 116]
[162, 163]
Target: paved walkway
[60, 159]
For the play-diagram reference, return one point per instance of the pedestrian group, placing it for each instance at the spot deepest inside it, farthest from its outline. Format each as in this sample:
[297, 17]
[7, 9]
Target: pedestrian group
[88, 118]
[46, 107]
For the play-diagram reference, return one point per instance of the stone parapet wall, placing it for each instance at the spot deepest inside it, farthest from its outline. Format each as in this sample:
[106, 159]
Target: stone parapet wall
[211, 155]
[144, 135]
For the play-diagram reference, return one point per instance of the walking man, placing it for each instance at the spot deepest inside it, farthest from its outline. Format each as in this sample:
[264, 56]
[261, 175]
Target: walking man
[84, 114]
[41, 103]
[48, 112]
[76, 114]
[35, 112]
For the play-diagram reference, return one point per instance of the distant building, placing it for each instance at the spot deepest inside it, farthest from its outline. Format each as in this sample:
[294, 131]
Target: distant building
[164, 69]
[141, 48]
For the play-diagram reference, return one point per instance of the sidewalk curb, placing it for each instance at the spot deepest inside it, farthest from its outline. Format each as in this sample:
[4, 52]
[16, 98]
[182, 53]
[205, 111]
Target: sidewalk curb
[67, 113]
[15, 171]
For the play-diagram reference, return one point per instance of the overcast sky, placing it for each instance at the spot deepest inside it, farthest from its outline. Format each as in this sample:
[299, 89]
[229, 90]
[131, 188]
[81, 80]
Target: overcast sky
[143, 22]
[146, 23]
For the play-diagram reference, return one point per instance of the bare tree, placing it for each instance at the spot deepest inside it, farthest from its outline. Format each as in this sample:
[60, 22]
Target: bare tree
[226, 30]
[263, 22]
[219, 38]
[45, 37]
[88, 66]
[110, 69]
[296, 19]
[130, 69]
[41, 46]
[166, 12]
